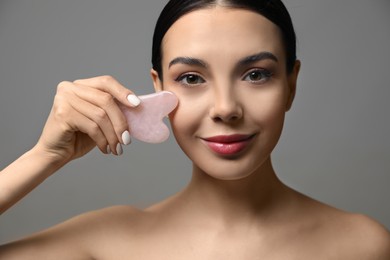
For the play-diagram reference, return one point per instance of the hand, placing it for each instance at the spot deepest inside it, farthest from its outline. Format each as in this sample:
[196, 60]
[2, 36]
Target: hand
[86, 114]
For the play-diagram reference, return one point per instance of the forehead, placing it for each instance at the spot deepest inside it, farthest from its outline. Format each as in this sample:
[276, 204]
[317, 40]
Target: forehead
[224, 31]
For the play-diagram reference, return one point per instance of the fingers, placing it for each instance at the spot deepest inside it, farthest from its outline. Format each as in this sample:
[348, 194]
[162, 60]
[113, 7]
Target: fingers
[101, 108]
[95, 122]
[110, 85]
[95, 112]
[91, 129]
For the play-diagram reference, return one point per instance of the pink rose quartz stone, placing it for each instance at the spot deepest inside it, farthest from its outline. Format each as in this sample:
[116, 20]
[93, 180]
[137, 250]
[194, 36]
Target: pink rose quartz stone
[146, 120]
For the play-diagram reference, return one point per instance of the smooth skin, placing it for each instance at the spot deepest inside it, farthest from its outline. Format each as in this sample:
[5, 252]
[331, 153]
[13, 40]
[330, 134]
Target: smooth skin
[234, 207]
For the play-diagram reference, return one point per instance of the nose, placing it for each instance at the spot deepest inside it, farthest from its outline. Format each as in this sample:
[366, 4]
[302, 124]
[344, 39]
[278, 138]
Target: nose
[226, 106]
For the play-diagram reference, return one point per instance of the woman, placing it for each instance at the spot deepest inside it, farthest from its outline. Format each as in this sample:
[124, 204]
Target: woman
[232, 66]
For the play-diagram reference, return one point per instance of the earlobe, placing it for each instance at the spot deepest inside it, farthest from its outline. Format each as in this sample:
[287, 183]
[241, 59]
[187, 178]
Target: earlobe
[156, 80]
[292, 83]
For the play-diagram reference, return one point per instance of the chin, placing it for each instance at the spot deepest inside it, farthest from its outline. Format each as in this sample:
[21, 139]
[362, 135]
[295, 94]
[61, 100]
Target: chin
[230, 170]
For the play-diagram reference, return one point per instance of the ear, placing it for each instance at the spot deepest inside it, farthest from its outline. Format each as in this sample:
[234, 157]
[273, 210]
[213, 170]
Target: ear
[292, 83]
[156, 80]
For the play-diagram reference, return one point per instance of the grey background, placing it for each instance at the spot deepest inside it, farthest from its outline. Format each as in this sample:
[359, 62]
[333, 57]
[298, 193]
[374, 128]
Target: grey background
[335, 146]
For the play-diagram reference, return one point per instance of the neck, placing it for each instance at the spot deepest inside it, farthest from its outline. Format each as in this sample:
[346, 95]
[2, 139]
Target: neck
[232, 201]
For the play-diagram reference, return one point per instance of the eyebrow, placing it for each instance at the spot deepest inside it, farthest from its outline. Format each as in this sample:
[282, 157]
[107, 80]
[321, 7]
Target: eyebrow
[265, 55]
[188, 61]
[245, 61]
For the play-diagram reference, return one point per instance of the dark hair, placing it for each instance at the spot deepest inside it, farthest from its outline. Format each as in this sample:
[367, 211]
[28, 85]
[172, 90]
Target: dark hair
[273, 10]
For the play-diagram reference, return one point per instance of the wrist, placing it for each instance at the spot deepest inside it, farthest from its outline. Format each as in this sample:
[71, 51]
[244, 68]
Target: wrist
[51, 159]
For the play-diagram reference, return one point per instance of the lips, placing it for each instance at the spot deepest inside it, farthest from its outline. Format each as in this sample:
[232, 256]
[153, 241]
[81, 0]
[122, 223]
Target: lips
[228, 144]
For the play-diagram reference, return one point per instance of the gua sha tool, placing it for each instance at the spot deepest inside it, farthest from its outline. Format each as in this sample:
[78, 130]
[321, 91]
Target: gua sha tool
[146, 120]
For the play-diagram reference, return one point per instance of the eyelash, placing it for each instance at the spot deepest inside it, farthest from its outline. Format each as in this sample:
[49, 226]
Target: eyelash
[185, 77]
[263, 73]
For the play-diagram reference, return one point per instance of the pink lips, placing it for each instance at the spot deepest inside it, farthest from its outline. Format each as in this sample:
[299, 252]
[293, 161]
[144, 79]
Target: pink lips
[228, 144]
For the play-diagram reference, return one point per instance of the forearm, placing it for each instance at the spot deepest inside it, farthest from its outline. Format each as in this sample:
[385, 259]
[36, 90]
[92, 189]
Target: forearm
[23, 175]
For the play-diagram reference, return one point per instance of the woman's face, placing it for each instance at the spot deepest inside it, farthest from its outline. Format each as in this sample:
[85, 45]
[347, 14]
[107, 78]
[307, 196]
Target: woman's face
[228, 69]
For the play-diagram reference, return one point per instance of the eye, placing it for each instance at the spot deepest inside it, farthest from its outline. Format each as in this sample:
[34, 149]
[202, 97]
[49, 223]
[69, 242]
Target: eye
[190, 79]
[258, 76]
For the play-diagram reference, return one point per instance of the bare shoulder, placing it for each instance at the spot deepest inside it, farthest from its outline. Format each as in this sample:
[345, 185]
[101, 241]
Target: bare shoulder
[107, 220]
[115, 215]
[370, 239]
[81, 237]
[336, 234]
[352, 236]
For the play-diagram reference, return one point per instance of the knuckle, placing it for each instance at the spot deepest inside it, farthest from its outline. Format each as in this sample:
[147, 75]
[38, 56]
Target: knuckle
[61, 112]
[100, 115]
[106, 99]
[62, 86]
[107, 79]
[94, 131]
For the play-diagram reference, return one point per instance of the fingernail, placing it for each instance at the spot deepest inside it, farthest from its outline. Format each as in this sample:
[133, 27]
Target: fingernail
[119, 150]
[126, 139]
[134, 100]
[108, 149]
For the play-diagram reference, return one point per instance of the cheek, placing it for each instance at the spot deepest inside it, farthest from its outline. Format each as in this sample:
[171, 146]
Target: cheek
[186, 117]
[266, 108]
[267, 114]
